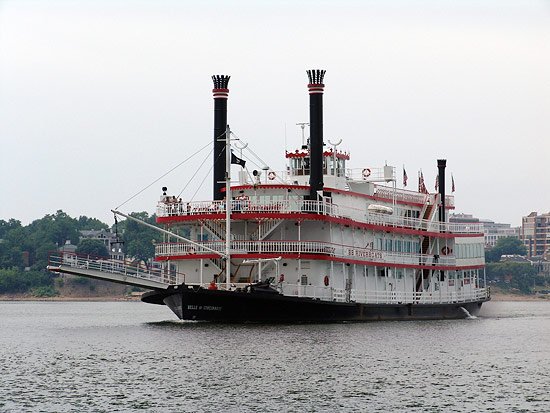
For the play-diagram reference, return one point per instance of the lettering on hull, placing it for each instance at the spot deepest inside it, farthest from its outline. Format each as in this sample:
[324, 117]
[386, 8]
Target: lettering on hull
[204, 307]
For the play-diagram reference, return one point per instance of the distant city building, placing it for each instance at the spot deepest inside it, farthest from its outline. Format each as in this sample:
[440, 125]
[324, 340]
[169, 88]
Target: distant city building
[108, 238]
[535, 234]
[492, 230]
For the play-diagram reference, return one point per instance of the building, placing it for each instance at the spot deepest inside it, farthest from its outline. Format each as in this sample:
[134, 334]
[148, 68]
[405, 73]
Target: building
[535, 234]
[492, 230]
[109, 239]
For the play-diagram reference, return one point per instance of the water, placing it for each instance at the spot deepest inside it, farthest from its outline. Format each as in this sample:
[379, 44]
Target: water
[107, 357]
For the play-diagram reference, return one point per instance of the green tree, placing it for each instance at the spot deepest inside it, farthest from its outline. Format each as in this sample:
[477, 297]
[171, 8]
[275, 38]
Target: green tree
[139, 239]
[505, 246]
[92, 247]
[90, 223]
[522, 275]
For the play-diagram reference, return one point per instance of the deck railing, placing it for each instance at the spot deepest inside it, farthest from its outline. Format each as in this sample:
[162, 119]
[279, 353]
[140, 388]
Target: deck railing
[292, 206]
[382, 297]
[387, 258]
[115, 267]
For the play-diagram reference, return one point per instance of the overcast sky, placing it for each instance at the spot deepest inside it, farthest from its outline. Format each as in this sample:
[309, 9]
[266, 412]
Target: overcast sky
[100, 98]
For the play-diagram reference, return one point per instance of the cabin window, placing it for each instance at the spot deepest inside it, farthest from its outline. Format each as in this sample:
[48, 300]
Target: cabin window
[303, 279]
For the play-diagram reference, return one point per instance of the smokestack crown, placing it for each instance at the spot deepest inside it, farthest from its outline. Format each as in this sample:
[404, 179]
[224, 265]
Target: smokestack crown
[316, 84]
[221, 83]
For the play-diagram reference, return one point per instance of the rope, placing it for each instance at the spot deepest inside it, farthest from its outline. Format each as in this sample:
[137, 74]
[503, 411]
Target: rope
[158, 179]
[196, 172]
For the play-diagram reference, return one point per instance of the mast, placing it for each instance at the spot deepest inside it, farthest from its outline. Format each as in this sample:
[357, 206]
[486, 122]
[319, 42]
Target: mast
[227, 206]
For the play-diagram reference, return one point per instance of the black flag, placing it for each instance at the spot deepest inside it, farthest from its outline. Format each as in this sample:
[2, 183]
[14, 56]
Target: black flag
[237, 161]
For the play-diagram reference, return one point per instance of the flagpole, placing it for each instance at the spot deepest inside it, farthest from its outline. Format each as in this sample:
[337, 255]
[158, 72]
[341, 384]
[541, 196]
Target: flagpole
[227, 207]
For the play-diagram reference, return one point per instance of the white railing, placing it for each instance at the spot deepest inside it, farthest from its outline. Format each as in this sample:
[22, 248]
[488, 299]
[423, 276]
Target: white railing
[115, 267]
[382, 297]
[303, 206]
[371, 174]
[307, 247]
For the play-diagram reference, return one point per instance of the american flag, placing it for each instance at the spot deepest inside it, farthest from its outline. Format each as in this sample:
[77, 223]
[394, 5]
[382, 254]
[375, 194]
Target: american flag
[421, 186]
[405, 177]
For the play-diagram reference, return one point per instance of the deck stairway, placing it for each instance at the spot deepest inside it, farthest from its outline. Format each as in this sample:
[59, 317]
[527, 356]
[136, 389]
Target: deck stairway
[423, 275]
[216, 228]
[265, 227]
[111, 270]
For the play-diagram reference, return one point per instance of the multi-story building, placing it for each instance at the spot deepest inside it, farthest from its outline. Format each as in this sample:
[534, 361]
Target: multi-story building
[535, 234]
[108, 238]
[492, 230]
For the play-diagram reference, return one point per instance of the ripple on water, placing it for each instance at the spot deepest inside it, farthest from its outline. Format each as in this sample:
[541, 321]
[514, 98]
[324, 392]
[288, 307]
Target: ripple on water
[65, 358]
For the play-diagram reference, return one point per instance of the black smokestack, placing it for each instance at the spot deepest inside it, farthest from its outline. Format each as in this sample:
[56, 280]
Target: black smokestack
[221, 93]
[441, 164]
[316, 88]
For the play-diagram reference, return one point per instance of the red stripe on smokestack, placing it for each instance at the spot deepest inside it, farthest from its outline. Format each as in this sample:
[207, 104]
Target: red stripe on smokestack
[220, 93]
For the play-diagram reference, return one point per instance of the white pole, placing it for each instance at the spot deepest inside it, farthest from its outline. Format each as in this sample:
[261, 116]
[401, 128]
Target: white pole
[227, 207]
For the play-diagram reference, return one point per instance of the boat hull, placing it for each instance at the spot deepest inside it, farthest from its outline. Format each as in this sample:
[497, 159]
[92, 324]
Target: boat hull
[194, 303]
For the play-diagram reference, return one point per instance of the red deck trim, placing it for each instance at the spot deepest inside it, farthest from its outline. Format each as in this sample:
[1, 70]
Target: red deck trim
[320, 257]
[297, 216]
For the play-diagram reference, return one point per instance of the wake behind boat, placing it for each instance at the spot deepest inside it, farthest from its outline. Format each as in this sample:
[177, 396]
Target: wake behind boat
[318, 242]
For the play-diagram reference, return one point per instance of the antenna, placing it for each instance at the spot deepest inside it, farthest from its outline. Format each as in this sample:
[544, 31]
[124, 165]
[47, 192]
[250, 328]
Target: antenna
[303, 126]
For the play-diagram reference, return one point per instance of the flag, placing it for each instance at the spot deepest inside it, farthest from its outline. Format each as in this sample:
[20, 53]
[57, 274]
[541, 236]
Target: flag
[437, 183]
[405, 177]
[237, 161]
[452, 183]
[421, 186]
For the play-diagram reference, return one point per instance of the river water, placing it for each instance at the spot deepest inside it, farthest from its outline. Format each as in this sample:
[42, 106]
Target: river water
[130, 356]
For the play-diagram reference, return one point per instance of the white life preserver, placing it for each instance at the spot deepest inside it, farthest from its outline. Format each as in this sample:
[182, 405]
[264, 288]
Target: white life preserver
[366, 173]
[271, 175]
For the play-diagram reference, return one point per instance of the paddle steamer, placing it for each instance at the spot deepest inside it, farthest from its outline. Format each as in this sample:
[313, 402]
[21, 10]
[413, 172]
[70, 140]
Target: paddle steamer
[317, 242]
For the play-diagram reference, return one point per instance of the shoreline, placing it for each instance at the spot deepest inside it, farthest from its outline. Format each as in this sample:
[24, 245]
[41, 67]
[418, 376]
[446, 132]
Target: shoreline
[495, 296]
[22, 297]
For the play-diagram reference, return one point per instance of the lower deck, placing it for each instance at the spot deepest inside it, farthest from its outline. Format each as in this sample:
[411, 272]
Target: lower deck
[265, 305]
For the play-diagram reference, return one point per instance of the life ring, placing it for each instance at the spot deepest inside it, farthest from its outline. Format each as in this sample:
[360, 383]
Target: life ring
[366, 173]
[446, 250]
[271, 175]
[326, 281]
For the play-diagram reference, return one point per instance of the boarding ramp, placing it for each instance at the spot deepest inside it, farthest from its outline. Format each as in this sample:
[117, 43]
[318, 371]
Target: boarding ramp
[118, 271]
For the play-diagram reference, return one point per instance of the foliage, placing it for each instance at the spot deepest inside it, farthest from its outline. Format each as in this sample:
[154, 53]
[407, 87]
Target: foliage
[512, 275]
[92, 247]
[505, 246]
[30, 245]
[44, 291]
[16, 281]
[139, 239]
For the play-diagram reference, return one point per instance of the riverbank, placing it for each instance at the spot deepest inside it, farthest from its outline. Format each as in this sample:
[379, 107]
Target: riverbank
[27, 297]
[502, 296]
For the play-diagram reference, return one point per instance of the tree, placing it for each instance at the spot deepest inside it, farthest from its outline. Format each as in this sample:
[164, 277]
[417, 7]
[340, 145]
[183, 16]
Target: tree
[90, 223]
[505, 246]
[139, 239]
[522, 275]
[92, 247]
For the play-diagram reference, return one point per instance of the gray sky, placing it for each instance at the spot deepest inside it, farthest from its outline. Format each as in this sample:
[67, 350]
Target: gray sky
[100, 98]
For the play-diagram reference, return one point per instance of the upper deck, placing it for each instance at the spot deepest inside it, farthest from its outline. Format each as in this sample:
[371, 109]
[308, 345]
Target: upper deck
[296, 208]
